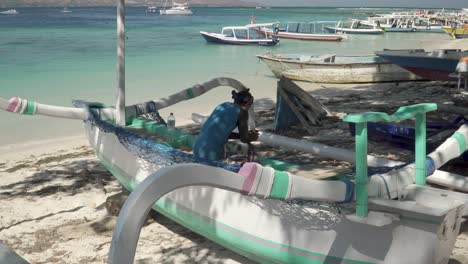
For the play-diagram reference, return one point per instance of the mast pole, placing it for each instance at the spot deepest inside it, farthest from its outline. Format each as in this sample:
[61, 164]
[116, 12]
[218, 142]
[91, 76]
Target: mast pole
[120, 104]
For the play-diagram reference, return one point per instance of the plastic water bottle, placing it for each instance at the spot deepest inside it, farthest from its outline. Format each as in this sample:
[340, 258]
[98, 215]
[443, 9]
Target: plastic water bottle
[171, 121]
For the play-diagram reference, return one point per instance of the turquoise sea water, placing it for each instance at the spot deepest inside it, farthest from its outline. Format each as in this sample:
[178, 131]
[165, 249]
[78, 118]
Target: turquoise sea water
[52, 57]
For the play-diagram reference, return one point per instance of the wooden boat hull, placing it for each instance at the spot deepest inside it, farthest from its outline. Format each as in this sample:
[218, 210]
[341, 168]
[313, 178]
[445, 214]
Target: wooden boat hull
[274, 231]
[216, 38]
[431, 65]
[349, 72]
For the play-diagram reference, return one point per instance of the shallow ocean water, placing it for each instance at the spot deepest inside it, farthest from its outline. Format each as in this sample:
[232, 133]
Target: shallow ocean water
[52, 58]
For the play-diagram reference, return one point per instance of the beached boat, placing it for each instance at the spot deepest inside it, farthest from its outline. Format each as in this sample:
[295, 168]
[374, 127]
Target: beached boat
[246, 35]
[267, 215]
[457, 33]
[176, 9]
[196, 193]
[301, 31]
[431, 65]
[354, 27]
[330, 68]
[10, 12]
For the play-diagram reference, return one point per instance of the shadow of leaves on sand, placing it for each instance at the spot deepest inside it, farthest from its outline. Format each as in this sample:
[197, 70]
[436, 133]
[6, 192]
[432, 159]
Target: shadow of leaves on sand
[70, 178]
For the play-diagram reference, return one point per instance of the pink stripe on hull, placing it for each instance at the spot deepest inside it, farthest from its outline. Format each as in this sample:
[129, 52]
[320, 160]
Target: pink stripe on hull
[249, 171]
[200, 88]
[13, 104]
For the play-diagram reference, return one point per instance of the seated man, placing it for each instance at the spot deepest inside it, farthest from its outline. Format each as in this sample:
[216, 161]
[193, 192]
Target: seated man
[219, 126]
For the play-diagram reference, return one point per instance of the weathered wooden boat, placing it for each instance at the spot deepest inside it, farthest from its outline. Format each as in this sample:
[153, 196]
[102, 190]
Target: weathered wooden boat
[330, 68]
[457, 33]
[301, 31]
[267, 215]
[354, 27]
[245, 35]
[431, 65]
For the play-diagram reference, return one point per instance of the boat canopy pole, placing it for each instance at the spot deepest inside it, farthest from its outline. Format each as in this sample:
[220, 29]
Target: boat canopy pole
[120, 104]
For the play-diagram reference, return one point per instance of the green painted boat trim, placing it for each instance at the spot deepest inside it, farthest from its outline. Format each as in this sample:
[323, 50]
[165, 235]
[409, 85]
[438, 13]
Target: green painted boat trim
[189, 92]
[404, 112]
[226, 235]
[461, 141]
[177, 138]
[279, 190]
[30, 106]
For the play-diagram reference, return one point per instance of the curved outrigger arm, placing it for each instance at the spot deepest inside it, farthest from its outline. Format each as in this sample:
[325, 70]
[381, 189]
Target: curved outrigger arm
[26, 107]
[252, 179]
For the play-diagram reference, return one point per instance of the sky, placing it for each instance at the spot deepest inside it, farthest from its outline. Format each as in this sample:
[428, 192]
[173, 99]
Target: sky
[369, 3]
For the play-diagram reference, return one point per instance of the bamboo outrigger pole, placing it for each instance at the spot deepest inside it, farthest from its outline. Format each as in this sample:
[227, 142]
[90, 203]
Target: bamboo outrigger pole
[120, 104]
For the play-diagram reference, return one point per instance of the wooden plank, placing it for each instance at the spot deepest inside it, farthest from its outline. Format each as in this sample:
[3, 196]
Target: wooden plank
[311, 115]
[308, 99]
[296, 111]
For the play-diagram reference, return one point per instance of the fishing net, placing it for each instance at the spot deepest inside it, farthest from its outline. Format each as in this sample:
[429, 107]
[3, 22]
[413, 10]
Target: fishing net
[154, 154]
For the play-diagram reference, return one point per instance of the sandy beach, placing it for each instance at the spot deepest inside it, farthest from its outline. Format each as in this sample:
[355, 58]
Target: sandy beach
[54, 193]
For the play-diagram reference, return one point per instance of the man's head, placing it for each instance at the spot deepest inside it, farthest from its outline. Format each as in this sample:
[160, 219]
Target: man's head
[243, 98]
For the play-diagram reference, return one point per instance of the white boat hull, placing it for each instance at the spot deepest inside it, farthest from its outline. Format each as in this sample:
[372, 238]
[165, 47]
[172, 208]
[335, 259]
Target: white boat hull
[274, 231]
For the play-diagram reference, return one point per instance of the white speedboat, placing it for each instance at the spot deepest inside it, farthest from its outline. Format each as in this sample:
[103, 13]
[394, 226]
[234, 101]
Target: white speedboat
[176, 9]
[10, 12]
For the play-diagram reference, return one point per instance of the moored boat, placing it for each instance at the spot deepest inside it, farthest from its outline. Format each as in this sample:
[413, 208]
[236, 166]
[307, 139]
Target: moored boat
[330, 68]
[65, 10]
[431, 65]
[354, 27]
[245, 35]
[176, 9]
[152, 9]
[301, 31]
[458, 32]
[10, 12]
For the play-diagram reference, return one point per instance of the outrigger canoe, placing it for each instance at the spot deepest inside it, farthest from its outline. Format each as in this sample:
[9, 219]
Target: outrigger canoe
[268, 215]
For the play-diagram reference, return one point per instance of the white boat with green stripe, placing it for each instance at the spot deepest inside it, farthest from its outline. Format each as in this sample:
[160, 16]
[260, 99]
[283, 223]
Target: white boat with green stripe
[268, 215]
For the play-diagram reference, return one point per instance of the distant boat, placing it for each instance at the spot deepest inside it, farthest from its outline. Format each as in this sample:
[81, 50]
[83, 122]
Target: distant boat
[152, 9]
[176, 9]
[354, 27]
[10, 12]
[330, 68]
[432, 65]
[457, 33]
[240, 36]
[301, 31]
[65, 10]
